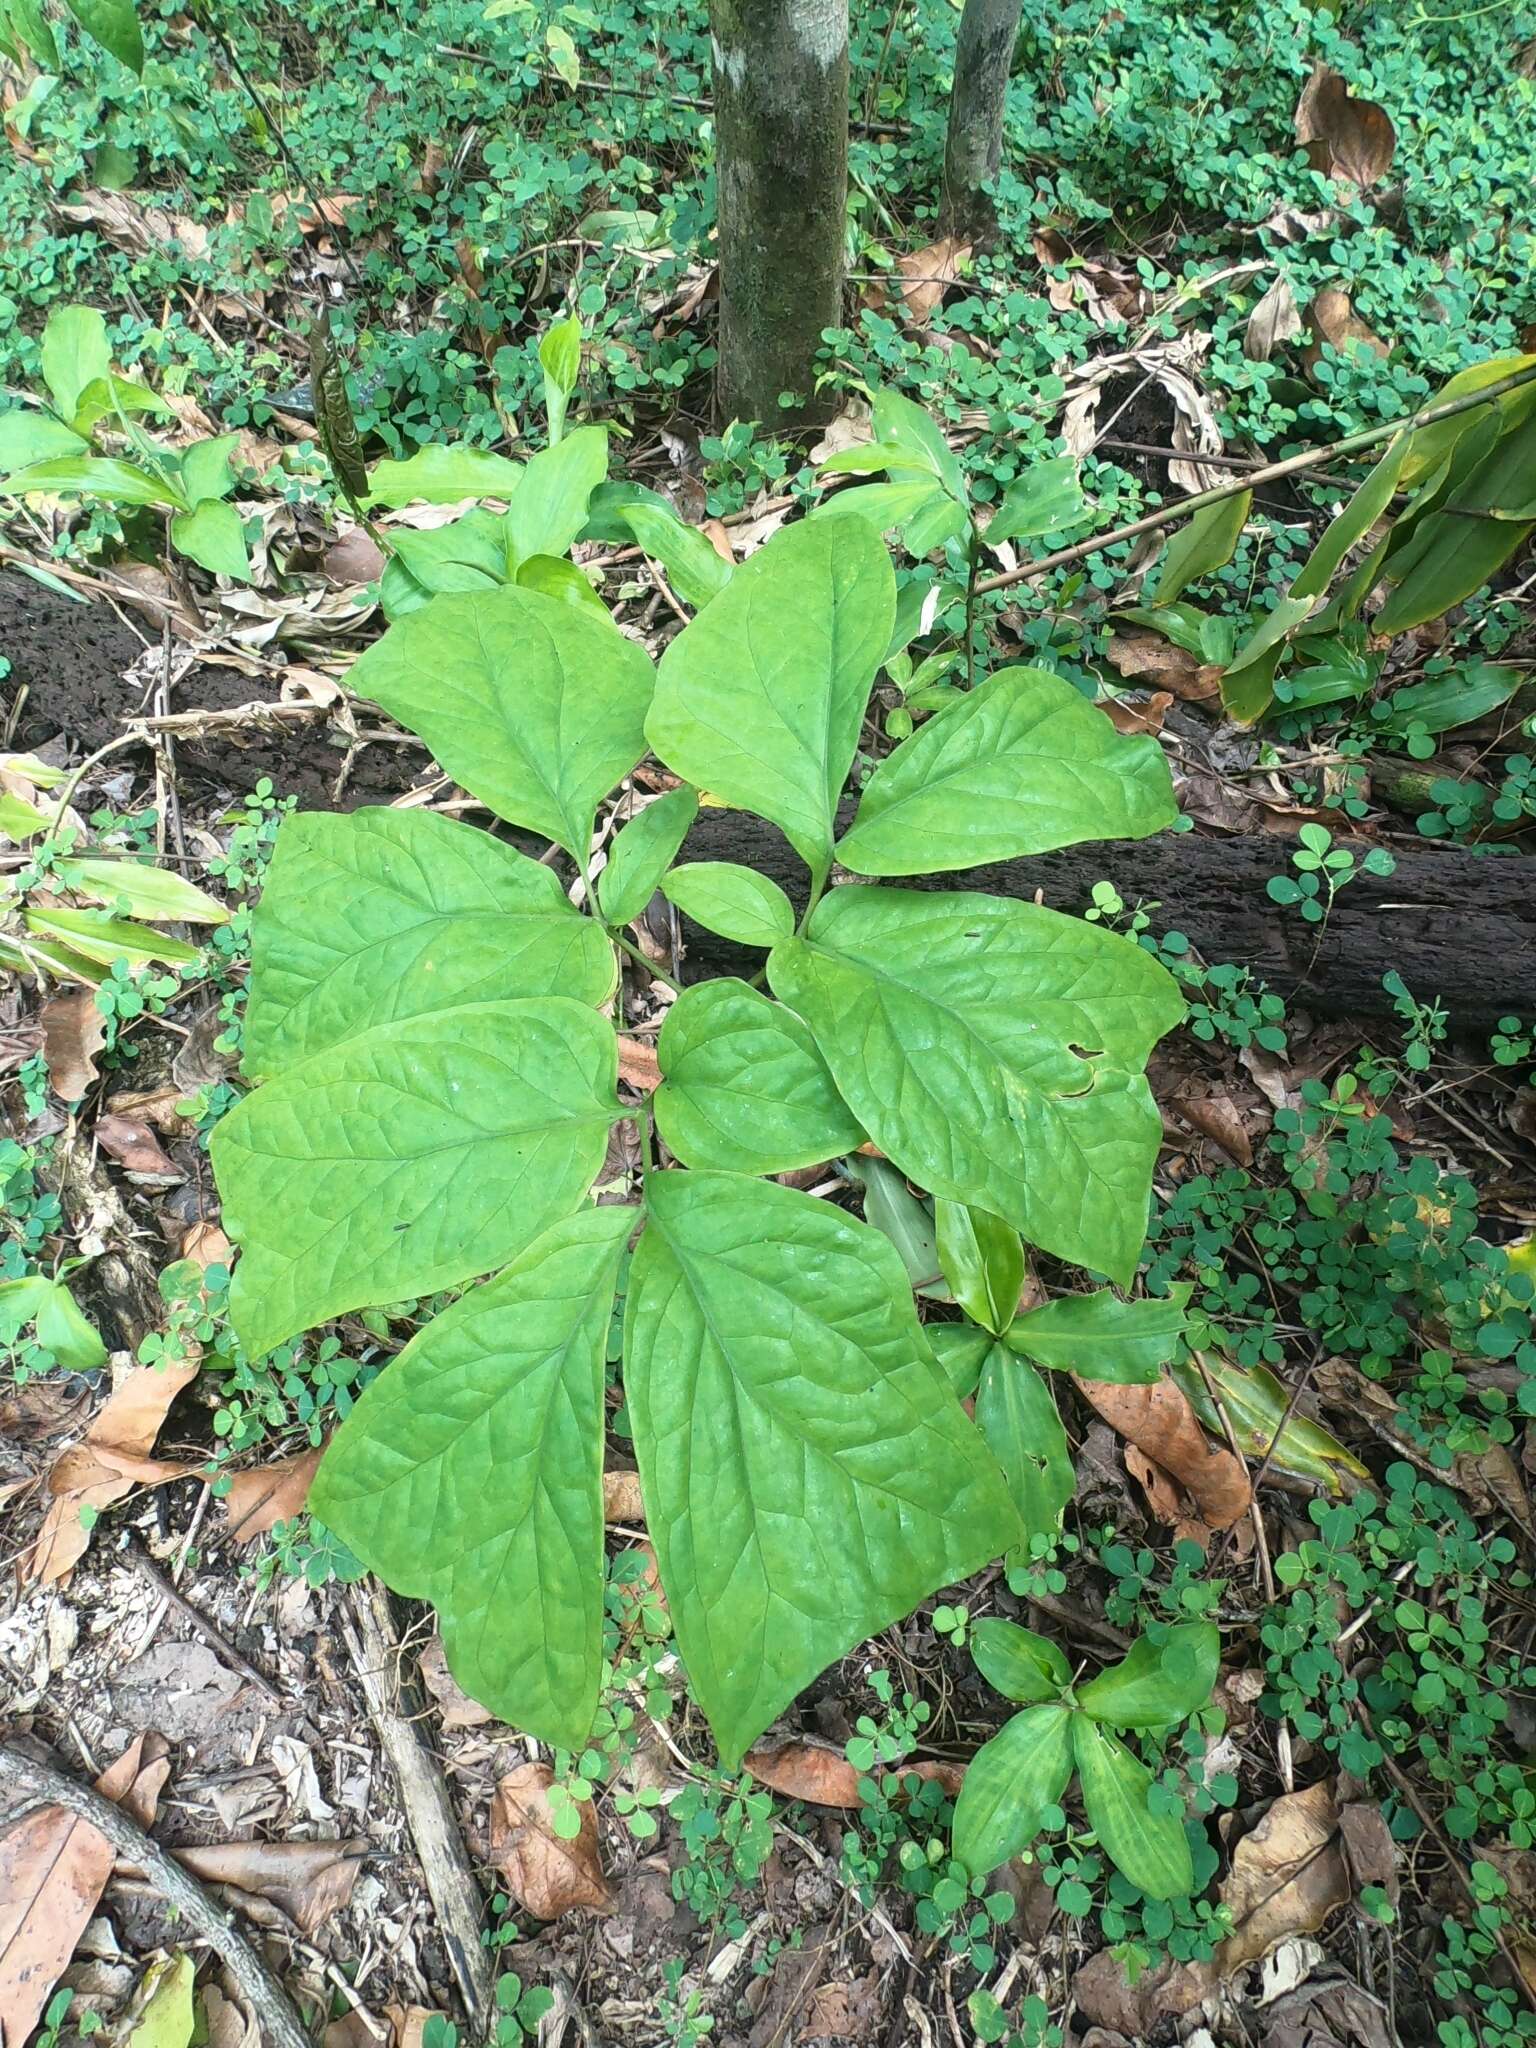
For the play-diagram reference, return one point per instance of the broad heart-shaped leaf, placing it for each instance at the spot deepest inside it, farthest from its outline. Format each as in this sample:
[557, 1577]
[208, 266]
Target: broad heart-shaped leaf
[1046, 496]
[412, 1157]
[1008, 1785]
[1157, 1684]
[212, 536]
[735, 901]
[1016, 1413]
[642, 852]
[983, 1261]
[27, 436]
[1016, 1662]
[807, 1474]
[115, 25]
[1100, 1337]
[470, 1474]
[759, 700]
[1020, 765]
[744, 1087]
[443, 475]
[993, 1051]
[471, 554]
[536, 706]
[75, 353]
[1151, 1849]
[383, 914]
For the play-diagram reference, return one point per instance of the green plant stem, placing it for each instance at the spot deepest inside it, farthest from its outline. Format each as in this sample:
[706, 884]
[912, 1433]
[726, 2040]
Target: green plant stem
[972, 566]
[628, 946]
[76, 776]
[1352, 444]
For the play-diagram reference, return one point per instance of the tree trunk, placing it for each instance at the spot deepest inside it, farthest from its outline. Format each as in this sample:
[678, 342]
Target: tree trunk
[781, 126]
[974, 151]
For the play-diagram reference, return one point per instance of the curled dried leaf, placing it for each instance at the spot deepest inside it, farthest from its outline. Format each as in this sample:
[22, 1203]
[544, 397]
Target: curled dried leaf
[546, 1874]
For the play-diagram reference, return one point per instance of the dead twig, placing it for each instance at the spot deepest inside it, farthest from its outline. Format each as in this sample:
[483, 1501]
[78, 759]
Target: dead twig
[375, 1651]
[275, 2014]
[222, 1647]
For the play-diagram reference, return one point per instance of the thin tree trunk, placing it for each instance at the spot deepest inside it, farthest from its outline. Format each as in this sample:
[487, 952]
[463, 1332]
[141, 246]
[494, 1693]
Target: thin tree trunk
[974, 151]
[781, 126]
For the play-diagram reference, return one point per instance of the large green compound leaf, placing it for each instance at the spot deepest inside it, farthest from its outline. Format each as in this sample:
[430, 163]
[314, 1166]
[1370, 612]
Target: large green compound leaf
[410, 1158]
[384, 915]
[760, 698]
[1020, 765]
[470, 1475]
[807, 1474]
[993, 1051]
[743, 1085]
[534, 705]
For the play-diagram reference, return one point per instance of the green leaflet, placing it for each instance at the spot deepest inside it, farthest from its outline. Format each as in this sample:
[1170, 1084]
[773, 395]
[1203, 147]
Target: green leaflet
[1048, 495]
[1203, 544]
[1454, 549]
[441, 475]
[735, 901]
[139, 888]
[1156, 1685]
[114, 25]
[629, 512]
[1008, 1785]
[1100, 1337]
[212, 536]
[469, 555]
[1016, 1662]
[381, 915]
[1150, 1848]
[97, 476]
[412, 1157]
[1016, 1413]
[487, 1433]
[641, 854]
[962, 1350]
[535, 706]
[1022, 764]
[560, 360]
[561, 579]
[893, 1209]
[993, 1051]
[1255, 1405]
[983, 1261]
[807, 1474]
[744, 1087]
[75, 353]
[549, 506]
[759, 700]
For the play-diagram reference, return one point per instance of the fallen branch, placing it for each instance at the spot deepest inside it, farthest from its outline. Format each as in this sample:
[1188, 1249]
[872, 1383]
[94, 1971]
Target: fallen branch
[269, 2003]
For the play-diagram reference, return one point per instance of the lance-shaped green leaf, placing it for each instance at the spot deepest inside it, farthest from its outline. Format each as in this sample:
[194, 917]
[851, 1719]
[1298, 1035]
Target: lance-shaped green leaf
[1353, 523]
[115, 25]
[1151, 1849]
[961, 1350]
[75, 353]
[1157, 1684]
[744, 1087]
[1455, 549]
[63, 1329]
[95, 936]
[1100, 1337]
[27, 437]
[97, 476]
[759, 700]
[1020, 765]
[1016, 1662]
[625, 512]
[470, 1474]
[1202, 544]
[381, 915]
[140, 888]
[993, 1051]
[212, 535]
[900, 420]
[892, 1208]
[1016, 1413]
[641, 854]
[1255, 1405]
[410, 1158]
[983, 1261]
[443, 475]
[1008, 1785]
[807, 1474]
[735, 901]
[549, 506]
[537, 707]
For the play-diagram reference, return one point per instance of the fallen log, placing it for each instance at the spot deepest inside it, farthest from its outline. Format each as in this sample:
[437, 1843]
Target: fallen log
[1455, 925]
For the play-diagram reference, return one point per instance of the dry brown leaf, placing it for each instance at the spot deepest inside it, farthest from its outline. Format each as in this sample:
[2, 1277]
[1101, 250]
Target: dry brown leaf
[206, 1245]
[73, 1031]
[1150, 656]
[929, 273]
[1369, 1850]
[227, 2024]
[1132, 2010]
[1346, 138]
[714, 531]
[1275, 320]
[1217, 1117]
[458, 1709]
[621, 1498]
[1138, 714]
[135, 1147]
[822, 1776]
[107, 1464]
[53, 1869]
[1159, 1421]
[330, 212]
[156, 1107]
[309, 1881]
[144, 230]
[1331, 318]
[1166, 1498]
[268, 1494]
[547, 1876]
[638, 1068]
[1287, 1876]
